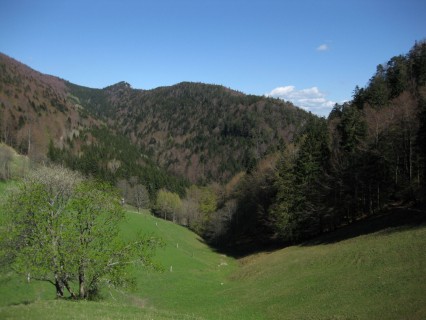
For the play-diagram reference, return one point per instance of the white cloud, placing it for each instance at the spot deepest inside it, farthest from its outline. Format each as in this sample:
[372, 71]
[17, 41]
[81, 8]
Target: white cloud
[281, 91]
[310, 99]
[323, 47]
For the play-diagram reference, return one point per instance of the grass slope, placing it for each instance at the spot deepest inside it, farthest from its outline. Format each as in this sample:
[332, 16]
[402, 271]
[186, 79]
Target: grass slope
[375, 276]
[378, 276]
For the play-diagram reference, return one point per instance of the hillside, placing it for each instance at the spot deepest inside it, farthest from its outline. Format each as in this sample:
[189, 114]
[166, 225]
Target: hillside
[372, 276]
[35, 108]
[368, 156]
[201, 132]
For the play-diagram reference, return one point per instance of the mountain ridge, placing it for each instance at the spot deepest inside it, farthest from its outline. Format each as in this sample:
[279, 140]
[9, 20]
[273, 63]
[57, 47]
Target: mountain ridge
[204, 132]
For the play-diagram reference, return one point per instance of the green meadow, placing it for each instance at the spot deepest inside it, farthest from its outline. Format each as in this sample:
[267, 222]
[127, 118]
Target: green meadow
[380, 275]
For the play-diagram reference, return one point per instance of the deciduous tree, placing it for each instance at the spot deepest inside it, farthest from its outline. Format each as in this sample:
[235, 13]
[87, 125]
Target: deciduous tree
[65, 230]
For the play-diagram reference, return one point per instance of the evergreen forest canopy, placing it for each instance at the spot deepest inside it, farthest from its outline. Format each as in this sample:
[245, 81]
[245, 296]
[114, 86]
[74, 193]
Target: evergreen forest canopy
[240, 170]
[368, 155]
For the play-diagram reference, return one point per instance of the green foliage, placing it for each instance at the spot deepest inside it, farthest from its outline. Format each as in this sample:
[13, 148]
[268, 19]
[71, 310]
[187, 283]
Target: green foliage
[375, 154]
[298, 203]
[99, 253]
[34, 222]
[94, 100]
[200, 211]
[208, 201]
[64, 230]
[401, 73]
[284, 202]
[112, 157]
[372, 276]
[351, 128]
[168, 204]
[417, 56]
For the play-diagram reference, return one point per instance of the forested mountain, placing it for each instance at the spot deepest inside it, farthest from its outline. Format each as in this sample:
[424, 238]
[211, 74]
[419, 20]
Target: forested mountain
[203, 132]
[161, 138]
[40, 118]
[35, 108]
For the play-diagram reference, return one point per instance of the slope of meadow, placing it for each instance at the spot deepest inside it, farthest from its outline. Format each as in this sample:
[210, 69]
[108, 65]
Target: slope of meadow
[375, 276]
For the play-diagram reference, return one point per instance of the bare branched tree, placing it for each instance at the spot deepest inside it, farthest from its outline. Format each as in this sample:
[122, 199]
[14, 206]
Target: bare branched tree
[6, 157]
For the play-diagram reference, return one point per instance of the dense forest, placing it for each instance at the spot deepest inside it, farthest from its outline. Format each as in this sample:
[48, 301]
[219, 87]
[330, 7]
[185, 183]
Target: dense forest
[368, 155]
[112, 158]
[203, 132]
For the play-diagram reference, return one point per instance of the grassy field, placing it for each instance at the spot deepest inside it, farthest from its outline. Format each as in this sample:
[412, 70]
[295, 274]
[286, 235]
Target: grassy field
[380, 275]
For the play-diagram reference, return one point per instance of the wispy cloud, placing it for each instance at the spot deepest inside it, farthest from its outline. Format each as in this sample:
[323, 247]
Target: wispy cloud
[323, 47]
[310, 99]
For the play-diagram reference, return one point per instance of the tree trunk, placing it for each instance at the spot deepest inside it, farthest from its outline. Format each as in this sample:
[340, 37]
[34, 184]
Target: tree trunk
[82, 284]
[59, 287]
[29, 141]
[410, 158]
[396, 170]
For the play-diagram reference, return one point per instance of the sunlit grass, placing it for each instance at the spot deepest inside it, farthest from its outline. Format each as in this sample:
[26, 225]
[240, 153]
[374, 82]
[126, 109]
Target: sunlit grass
[378, 276]
[375, 276]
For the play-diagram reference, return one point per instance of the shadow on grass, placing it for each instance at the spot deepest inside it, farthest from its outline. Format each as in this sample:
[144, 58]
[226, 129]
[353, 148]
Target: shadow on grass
[394, 219]
[245, 248]
[21, 303]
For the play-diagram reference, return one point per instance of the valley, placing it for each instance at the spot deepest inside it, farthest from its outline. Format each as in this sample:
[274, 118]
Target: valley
[360, 277]
[255, 208]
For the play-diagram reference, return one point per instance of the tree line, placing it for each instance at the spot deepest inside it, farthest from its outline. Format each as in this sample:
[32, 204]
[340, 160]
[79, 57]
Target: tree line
[113, 158]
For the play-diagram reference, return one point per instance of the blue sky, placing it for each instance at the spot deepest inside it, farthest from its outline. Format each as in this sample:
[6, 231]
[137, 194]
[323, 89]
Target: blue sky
[311, 52]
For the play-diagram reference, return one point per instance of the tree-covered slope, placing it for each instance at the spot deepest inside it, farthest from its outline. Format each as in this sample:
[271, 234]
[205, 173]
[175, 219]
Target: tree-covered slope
[368, 156]
[204, 132]
[199, 131]
[36, 108]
